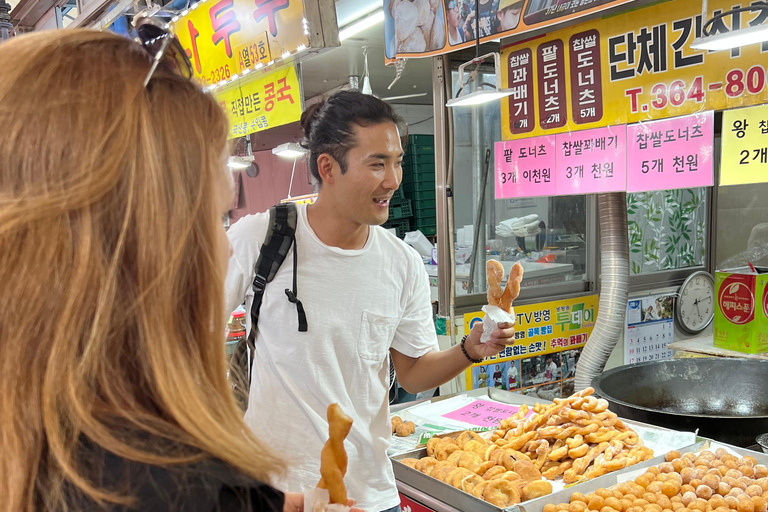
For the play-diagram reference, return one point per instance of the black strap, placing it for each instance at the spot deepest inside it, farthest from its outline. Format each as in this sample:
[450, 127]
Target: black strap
[280, 237]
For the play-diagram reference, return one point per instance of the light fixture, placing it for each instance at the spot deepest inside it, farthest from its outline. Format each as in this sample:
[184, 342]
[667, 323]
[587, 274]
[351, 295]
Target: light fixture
[288, 150]
[362, 24]
[479, 96]
[239, 162]
[734, 38]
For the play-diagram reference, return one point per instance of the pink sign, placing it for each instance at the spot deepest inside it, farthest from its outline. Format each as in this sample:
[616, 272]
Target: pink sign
[525, 167]
[483, 413]
[592, 161]
[671, 153]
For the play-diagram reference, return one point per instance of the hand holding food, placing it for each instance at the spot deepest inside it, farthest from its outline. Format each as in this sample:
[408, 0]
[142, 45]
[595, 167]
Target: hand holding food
[495, 275]
[333, 458]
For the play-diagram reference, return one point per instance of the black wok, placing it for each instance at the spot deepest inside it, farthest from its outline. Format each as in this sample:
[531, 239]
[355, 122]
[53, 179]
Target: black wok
[725, 399]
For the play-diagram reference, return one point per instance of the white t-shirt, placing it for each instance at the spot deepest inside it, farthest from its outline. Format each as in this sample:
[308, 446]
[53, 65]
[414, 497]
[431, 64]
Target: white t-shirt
[551, 370]
[359, 304]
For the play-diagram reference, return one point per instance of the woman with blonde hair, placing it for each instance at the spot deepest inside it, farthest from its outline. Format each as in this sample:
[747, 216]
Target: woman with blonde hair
[113, 184]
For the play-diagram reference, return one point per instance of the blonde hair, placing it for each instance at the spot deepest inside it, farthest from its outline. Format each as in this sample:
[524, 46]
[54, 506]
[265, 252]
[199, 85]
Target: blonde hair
[111, 320]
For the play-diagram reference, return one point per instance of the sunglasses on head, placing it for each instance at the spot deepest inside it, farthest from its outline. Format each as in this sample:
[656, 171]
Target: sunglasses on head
[162, 46]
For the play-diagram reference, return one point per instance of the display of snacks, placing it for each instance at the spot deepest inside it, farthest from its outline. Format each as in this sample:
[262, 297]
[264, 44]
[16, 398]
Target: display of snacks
[576, 437]
[703, 482]
[401, 428]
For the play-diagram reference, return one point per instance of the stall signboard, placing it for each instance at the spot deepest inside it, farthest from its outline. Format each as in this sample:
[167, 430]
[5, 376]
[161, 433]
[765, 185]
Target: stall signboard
[408, 505]
[591, 161]
[745, 146]
[632, 67]
[671, 153]
[525, 167]
[548, 340]
[423, 28]
[261, 102]
[224, 37]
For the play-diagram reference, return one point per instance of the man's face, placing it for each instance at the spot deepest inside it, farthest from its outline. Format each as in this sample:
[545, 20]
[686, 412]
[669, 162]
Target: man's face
[373, 174]
[453, 13]
[510, 17]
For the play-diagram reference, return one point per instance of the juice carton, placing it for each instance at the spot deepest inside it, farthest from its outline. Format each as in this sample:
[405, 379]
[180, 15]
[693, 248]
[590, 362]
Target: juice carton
[741, 315]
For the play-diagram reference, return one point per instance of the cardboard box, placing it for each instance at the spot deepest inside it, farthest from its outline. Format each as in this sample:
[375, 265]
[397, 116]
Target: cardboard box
[741, 315]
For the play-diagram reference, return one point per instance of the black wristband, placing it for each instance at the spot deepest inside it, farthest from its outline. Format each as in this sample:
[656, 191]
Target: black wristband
[464, 351]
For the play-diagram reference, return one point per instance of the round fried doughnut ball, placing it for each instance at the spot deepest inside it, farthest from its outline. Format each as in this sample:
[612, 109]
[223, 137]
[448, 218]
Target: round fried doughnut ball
[704, 492]
[754, 490]
[760, 471]
[689, 497]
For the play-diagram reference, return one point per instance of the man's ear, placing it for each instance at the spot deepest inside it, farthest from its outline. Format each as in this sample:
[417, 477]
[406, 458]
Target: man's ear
[327, 167]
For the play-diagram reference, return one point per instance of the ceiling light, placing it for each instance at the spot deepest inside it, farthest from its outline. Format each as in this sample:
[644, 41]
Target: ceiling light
[239, 162]
[360, 25]
[479, 96]
[734, 38]
[289, 150]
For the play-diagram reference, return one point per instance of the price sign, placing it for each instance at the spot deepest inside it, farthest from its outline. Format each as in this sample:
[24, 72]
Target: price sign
[745, 146]
[525, 167]
[591, 161]
[483, 413]
[671, 153]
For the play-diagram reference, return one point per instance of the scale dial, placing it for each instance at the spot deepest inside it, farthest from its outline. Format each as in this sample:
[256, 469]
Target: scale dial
[695, 306]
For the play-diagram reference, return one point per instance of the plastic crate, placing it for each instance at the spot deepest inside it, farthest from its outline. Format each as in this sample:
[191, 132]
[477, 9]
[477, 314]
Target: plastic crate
[419, 187]
[400, 211]
[428, 230]
[397, 196]
[425, 204]
[425, 220]
[401, 226]
[428, 195]
[412, 149]
[420, 177]
[419, 159]
[421, 139]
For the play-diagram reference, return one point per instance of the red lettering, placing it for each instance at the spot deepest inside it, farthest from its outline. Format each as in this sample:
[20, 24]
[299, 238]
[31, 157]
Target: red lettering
[268, 9]
[224, 23]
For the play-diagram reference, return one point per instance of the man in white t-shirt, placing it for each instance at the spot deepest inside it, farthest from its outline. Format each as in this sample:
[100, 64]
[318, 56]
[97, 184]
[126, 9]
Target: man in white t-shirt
[551, 369]
[366, 296]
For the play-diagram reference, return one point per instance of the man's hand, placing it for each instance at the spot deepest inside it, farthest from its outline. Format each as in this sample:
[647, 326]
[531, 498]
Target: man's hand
[500, 338]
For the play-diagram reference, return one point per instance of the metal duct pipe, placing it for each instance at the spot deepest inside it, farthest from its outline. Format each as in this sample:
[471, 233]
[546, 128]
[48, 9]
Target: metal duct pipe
[614, 288]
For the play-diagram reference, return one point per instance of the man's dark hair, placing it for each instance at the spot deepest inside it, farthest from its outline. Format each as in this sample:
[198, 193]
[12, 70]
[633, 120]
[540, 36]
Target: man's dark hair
[328, 126]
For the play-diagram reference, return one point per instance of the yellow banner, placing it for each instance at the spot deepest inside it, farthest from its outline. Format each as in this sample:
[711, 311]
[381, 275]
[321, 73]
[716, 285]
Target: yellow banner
[745, 146]
[262, 102]
[549, 337]
[222, 36]
[623, 69]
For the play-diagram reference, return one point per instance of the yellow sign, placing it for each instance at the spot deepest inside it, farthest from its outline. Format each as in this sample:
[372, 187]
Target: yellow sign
[215, 33]
[549, 337]
[252, 53]
[745, 146]
[622, 69]
[263, 102]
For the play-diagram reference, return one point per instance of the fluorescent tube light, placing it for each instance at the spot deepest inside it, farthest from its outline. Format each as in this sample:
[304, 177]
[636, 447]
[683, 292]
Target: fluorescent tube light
[358, 26]
[733, 39]
[288, 150]
[477, 98]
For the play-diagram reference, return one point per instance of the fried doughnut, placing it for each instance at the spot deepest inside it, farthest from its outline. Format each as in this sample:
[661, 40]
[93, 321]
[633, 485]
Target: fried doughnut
[495, 274]
[333, 457]
[512, 289]
[494, 472]
[396, 422]
[426, 465]
[411, 463]
[536, 489]
[467, 436]
[405, 429]
[501, 493]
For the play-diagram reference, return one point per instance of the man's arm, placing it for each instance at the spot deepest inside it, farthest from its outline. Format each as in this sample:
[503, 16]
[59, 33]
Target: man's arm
[436, 368]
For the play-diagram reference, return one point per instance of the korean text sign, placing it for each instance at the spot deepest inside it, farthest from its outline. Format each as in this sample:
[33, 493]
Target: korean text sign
[262, 102]
[671, 153]
[222, 36]
[550, 330]
[591, 161]
[483, 413]
[745, 146]
[524, 167]
[632, 67]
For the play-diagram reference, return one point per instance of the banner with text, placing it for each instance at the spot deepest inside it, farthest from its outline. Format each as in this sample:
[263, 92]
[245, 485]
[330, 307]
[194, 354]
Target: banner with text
[745, 146]
[548, 342]
[263, 102]
[224, 37]
[423, 28]
[627, 68]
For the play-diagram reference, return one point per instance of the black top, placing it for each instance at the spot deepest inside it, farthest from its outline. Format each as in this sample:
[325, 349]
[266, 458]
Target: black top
[209, 486]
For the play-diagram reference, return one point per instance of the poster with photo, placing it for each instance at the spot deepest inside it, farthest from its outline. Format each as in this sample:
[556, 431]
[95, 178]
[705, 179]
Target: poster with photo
[650, 328]
[501, 375]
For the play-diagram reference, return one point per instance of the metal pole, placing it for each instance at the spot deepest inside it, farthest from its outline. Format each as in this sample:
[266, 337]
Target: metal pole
[5, 20]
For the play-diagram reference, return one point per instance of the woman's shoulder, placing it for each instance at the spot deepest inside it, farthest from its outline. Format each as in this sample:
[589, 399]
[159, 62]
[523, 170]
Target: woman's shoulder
[209, 485]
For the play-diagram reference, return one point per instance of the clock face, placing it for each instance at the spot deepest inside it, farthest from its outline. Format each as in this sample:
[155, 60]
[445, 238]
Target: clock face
[696, 304]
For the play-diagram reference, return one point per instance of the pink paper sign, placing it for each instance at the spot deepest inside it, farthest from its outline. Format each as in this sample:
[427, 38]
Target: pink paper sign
[483, 413]
[671, 153]
[525, 167]
[592, 161]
